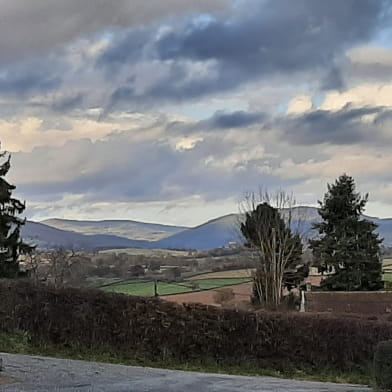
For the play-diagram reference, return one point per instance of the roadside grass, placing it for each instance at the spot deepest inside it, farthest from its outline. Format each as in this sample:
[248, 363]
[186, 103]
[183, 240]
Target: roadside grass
[19, 342]
[146, 288]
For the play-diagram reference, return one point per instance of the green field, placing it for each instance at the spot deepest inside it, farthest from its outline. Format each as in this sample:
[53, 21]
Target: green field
[147, 252]
[387, 267]
[94, 282]
[240, 273]
[146, 288]
[387, 277]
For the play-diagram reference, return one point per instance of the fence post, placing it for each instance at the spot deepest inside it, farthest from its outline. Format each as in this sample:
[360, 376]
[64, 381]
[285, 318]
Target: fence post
[302, 306]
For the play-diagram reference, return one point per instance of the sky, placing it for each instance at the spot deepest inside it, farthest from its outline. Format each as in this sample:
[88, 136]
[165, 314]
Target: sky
[170, 111]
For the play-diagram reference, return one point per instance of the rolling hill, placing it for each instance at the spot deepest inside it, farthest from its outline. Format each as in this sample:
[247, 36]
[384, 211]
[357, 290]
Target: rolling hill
[113, 234]
[49, 237]
[122, 228]
[216, 233]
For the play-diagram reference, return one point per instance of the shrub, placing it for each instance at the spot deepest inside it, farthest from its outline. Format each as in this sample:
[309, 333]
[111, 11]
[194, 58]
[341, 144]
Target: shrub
[383, 365]
[162, 330]
[223, 296]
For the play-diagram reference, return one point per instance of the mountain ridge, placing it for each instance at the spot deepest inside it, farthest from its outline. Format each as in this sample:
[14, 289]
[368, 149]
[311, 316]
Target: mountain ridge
[131, 229]
[215, 233]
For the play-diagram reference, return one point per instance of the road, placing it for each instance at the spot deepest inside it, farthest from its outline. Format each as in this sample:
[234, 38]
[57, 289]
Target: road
[40, 374]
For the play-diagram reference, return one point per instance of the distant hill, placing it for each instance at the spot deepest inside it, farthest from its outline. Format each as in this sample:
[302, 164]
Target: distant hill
[112, 234]
[216, 233]
[122, 228]
[49, 237]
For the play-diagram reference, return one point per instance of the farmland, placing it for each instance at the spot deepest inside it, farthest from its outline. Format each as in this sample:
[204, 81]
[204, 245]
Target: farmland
[387, 267]
[146, 287]
[238, 273]
[147, 252]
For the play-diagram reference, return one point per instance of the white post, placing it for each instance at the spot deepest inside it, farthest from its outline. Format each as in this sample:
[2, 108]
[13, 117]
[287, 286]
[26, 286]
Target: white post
[302, 307]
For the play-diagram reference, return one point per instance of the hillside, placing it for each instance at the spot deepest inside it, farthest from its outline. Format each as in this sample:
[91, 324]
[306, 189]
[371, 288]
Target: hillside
[49, 237]
[215, 233]
[122, 228]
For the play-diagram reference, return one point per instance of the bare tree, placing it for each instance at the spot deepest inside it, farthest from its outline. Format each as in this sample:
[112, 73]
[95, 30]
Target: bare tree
[271, 232]
[61, 262]
[32, 262]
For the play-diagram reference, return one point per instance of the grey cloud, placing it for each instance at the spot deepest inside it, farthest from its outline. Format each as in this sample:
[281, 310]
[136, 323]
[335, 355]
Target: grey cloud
[238, 119]
[121, 169]
[220, 120]
[68, 103]
[27, 80]
[333, 80]
[278, 36]
[367, 63]
[345, 126]
[36, 26]
[128, 48]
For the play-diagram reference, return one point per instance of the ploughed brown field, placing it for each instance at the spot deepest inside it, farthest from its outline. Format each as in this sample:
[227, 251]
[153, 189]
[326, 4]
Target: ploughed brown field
[242, 296]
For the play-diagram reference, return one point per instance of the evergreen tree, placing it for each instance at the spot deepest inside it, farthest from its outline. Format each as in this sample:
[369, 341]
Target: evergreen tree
[11, 245]
[348, 247]
[279, 253]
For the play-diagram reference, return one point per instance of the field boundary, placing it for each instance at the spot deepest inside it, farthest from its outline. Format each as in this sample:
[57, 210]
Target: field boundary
[180, 284]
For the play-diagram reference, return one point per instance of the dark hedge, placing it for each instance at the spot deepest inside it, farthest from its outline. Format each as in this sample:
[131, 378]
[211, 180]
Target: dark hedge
[383, 365]
[160, 330]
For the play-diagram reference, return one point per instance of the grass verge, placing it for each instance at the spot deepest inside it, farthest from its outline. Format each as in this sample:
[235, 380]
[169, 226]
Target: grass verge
[20, 342]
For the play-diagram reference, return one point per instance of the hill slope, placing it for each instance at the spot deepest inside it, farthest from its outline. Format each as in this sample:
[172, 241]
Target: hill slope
[49, 237]
[122, 228]
[221, 231]
[216, 233]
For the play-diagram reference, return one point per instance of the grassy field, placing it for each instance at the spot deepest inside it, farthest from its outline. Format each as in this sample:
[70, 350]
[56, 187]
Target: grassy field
[240, 273]
[148, 252]
[387, 266]
[146, 288]
[94, 282]
[387, 263]
[387, 277]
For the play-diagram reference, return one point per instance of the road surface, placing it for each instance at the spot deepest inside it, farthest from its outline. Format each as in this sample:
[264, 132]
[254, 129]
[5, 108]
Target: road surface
[40, 374]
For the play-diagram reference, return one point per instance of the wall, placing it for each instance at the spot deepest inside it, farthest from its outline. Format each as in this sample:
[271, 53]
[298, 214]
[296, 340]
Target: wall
[376, 302]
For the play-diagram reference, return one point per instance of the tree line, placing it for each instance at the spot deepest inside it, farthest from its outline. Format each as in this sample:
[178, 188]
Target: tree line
[346, 249]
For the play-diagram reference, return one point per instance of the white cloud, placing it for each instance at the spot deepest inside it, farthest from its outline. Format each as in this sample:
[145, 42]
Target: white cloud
[370, 94]
[300, 104]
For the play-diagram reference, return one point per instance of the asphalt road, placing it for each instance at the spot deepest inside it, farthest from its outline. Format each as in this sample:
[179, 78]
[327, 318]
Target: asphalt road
[39, 374]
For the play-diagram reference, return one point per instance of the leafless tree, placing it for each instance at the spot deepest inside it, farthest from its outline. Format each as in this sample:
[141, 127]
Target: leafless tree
[61, 263]
[32, 262]
[270, 227]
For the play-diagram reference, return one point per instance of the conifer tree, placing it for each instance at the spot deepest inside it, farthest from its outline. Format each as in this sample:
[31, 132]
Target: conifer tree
[349, 247]
[11, 245]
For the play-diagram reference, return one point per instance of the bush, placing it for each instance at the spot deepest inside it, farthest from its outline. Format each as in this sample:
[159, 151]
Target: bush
[383, 365]
[223, 296]
[162, 330]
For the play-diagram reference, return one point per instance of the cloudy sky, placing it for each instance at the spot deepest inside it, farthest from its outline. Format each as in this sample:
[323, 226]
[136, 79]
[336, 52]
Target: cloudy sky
[169, 111]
